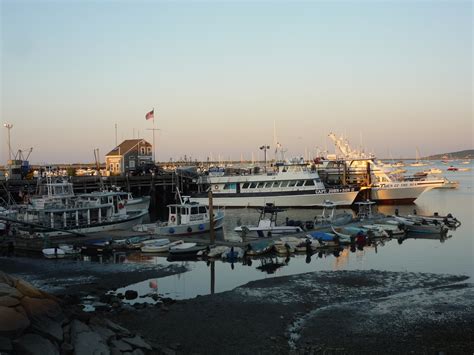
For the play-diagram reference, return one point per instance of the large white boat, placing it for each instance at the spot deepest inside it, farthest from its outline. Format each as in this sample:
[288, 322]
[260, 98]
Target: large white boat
[384, 188]
[58, 211]
[287, 185]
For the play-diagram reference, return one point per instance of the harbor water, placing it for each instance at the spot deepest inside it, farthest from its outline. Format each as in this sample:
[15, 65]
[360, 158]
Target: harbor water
[431, 254]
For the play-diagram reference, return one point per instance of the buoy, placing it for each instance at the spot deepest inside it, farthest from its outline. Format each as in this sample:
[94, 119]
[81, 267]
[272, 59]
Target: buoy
[189, 229]
[201, 227]
[171, 230]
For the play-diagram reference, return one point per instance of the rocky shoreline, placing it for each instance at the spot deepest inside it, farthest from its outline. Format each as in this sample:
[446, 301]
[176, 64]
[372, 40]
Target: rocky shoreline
[335, 312]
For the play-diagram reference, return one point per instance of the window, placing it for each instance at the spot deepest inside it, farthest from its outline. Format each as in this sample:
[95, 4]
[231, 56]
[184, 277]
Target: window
[194, 210]
[291, 183]
[309, 183]
[284, 183]
[111, 166]
[117, 166]
[142, 150]
[202, 209]
[260, 185]
[173, 209]
[268, 184]
[253, 185]
[276, 184]
[245, 185]
[300, 183]
[148, 149]
[184, 210]
[132, 164]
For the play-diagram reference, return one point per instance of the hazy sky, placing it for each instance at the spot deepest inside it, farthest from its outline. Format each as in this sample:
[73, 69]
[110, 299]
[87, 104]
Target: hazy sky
[394, 75]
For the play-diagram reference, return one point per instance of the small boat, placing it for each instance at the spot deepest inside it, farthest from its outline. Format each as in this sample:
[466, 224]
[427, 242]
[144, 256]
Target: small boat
[369, 232]
[97, 246]
[449, 184]
[185, 218]
[391, 229]
[267, 224]
[53, 253]
[69, 249]
[186, 249]
[448, 220]
[216, 252]
[133, 242]
[420, 227]
[452, 168]
[259, 247]
[342, 235]
[287, 245]
[323, 239]
[433, 171]
[464, 169]
[328, 215]
[159, 246]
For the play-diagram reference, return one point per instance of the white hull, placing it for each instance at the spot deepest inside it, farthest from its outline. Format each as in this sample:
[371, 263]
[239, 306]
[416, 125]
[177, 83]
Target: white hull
[398, 192]
[117, 225]
[186, 229]
[279, 230]
[138, 203]
[297, 200]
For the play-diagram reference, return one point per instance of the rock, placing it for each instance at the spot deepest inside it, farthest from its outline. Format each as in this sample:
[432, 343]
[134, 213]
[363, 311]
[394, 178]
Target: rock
[12, 322]
[28, 289]
[137, 342]
[7, 279]
[105, 333]
[115, 351]
[138, 352]
[7, 290]
[78, 327]
[90, 343]
[5, 345]
[116, 328]
[167, 351]
[9, 301]
[67, 349]
[131, 294]
[34, 344]
[48, 327]
[36, 307]
[121, 345]
[100, 306]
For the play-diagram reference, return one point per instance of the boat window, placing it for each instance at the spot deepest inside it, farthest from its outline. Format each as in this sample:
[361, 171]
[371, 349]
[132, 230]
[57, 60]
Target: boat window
[194, 210]
[173, 209]
[284, 183]
[202, 209]
[318, 180]
[245, 185]
[300, 183]
[253, 185]
[184, 210]
[268, 184]
[309, 183]
[260, 185]
[276, 183]
[292, 183]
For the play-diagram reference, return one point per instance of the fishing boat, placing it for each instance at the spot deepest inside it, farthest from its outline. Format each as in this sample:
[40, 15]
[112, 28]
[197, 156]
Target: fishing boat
[328, 215]
[414, 226]
[448, 220]
[185, 218]
[267, 224]
[288, 184]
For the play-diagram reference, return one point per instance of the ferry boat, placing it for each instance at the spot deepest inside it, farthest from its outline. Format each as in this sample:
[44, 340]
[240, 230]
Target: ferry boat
[292, 184]
[357, 167]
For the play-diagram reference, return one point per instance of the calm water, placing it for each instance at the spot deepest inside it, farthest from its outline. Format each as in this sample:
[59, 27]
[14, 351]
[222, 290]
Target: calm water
[455, 255]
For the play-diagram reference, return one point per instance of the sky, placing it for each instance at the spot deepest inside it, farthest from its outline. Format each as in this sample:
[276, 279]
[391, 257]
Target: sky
[393, 76]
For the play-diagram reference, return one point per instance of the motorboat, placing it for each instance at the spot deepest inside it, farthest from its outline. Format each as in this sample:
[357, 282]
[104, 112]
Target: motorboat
[160, 246]
[232, 254]
[288, 184]
[449, 220]
[323, 239]
[391, 229]
[186, 249]
[185, 218]
[452, 168]
[259, 247]
[414, 226]
[291, 244]
[328, 215]
[267, 224]
[53, 253]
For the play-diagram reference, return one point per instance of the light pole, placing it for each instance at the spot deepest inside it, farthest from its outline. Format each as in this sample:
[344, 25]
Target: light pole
[9, 126]
[264, 148]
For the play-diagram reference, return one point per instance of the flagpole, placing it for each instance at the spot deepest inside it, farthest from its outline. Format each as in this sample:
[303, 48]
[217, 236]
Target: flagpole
[154, 147]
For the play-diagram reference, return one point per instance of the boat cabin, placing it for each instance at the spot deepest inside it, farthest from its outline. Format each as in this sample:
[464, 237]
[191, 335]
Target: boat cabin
[187, 212]
[365, 209]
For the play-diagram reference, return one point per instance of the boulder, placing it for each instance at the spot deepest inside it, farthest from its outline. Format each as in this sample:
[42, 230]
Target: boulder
[5, 345]
[105, 333]
[7, 279]
[116, 328]
[34, 344]
[78, 327]
[28, 289]
[8, 301]
[12, 322]
[40, 307]
[137, 342]
[48, 327]
[7, 290]
[138, 352]
[131, 294]
[87, 343]
[121, 345]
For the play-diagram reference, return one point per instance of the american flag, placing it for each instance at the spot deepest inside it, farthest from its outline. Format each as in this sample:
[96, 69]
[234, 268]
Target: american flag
[150, 115]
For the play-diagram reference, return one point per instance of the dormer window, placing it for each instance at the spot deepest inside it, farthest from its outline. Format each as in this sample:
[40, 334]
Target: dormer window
[142, 150]
[148, 149]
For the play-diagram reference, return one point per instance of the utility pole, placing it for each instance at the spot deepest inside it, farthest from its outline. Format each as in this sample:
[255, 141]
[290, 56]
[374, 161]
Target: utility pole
[9, 126]
[264, 148]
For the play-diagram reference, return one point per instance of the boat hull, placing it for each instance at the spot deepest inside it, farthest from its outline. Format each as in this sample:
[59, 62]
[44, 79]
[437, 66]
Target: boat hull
[138, 203]
[306, 199]
[400, 194]
[188, 229]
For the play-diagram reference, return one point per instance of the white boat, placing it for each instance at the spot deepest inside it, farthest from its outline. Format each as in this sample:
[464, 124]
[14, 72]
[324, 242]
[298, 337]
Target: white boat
[433, 171]
[291, 184]
[290, 244]
[448, 220]
[60, 212]
[267, 224]
[391, 229]
[160, 247]
[69, 249]
[186, 249]
[329, 216]
[384, 188]
[232, 254]
[343, 238]
[419, 227]
[185, 218]
[216, 251]
[134, 203]
[53, 253]
[449, 184]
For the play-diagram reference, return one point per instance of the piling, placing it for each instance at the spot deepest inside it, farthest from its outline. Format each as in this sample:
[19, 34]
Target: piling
[211, 219]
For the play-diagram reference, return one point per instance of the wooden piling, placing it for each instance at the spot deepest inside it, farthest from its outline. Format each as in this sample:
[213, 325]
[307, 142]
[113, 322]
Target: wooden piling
[211, 218]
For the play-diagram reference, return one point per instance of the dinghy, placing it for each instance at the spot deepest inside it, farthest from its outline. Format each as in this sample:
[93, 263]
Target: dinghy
[54, 253]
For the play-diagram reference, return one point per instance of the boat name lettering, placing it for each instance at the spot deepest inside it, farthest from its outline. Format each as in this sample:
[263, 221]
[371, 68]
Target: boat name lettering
[195, 218]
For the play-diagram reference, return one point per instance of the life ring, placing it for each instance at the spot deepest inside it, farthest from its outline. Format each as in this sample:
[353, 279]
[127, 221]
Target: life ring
[171, 230]
[121, 205]
[216, 187]
[189, 229]
[173, 219]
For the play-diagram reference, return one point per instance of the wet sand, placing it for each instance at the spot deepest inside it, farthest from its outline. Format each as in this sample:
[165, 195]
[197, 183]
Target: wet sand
[319, 312]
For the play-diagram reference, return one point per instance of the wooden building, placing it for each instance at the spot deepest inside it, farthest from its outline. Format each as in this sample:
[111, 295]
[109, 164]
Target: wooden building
[130, 156]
